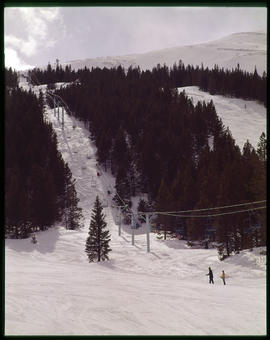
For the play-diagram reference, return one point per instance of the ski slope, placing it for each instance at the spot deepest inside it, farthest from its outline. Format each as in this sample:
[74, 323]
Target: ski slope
[246, 48]
[52, 289]
[246, 119]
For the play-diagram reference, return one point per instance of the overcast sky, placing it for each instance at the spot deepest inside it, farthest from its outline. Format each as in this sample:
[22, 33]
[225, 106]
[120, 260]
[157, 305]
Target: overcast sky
[34, 36]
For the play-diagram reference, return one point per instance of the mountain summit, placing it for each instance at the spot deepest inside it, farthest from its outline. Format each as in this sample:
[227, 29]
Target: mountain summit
[246, 48]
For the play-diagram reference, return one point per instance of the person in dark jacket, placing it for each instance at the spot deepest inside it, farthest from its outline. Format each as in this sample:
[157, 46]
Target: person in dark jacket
[211, 276]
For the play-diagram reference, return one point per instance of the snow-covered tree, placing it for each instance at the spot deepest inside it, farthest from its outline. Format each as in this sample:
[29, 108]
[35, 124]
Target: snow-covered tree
[97, 243]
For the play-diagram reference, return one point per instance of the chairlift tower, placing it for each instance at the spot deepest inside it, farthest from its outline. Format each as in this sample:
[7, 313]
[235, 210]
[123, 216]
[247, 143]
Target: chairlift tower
[63, 116]
[147, 218]
[133, 230]
[119, 220]
[54, 107]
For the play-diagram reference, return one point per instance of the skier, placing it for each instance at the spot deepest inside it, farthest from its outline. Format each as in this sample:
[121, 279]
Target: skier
[34, 239]
[210, 276]
[223, 277]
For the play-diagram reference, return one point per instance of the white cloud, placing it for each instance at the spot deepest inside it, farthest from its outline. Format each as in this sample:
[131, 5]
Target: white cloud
[49, 14]
[26, 47]
[38, 24]
[12, 60]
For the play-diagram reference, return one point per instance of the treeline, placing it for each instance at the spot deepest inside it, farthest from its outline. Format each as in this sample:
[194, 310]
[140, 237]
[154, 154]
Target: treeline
[52, 75]
[235, 83]
[156, 141]
[11, 78]
[39, 189]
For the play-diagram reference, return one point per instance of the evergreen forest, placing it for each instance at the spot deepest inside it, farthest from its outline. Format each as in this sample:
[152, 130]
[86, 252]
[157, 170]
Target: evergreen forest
[235, 83]
[39, 189]
[156, 141]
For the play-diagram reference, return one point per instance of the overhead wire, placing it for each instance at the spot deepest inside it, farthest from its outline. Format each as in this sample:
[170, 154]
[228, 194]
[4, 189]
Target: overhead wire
[215, 208]
[208, 215]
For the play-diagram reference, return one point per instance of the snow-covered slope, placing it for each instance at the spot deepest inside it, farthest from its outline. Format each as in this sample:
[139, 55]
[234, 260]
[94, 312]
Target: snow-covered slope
[247, 48]
[246, 119]
[51, 289]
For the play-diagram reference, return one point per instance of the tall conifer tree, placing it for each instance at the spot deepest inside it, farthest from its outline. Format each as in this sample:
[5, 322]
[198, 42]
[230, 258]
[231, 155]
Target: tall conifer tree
[97, 243]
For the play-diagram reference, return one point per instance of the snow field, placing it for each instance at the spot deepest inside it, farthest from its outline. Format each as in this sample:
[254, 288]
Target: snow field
[52, 289]
[246, 119]
[246, 48]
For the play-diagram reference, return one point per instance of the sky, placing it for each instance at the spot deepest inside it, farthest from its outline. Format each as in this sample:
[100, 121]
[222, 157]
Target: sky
[34, 36]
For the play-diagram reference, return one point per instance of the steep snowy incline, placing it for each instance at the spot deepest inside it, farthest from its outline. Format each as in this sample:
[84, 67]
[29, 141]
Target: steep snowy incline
[52, 289]
[246, 119]
[246, 48]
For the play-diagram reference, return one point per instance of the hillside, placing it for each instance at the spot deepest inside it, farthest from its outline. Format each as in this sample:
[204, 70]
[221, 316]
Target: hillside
[247, 48]
[245, 118]
[51, 289]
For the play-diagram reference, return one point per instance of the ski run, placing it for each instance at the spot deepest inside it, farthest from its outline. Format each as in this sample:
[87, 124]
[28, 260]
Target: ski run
[52, 289]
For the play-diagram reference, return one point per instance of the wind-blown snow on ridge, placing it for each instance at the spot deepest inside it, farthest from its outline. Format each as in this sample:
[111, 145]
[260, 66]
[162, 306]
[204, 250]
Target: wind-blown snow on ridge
[247, 48]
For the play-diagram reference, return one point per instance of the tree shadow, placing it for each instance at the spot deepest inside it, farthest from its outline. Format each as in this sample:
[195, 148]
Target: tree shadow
[46, 241]
[107, 264]
[159, 257]
[123, 237]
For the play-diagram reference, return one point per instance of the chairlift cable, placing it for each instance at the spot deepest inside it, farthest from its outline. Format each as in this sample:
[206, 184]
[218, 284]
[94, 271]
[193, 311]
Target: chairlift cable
[211, 215]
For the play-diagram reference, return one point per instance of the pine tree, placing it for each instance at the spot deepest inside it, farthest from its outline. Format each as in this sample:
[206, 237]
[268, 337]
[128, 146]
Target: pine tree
[163, 203]
[72, 213]
[97, 243]
[262, 148]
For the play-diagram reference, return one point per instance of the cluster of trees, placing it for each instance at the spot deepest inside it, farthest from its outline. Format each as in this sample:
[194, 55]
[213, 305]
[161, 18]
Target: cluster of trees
[235, 82]
[11, 78]
[39, 189]
[155, 141]
[52, 75]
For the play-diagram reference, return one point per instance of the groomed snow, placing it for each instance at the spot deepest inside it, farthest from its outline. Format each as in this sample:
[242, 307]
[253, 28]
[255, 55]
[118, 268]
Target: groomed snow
[246, 119]
[52, 289]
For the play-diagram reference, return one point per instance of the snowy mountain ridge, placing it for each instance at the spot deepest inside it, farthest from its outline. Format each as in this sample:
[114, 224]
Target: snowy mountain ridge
[246, 48]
